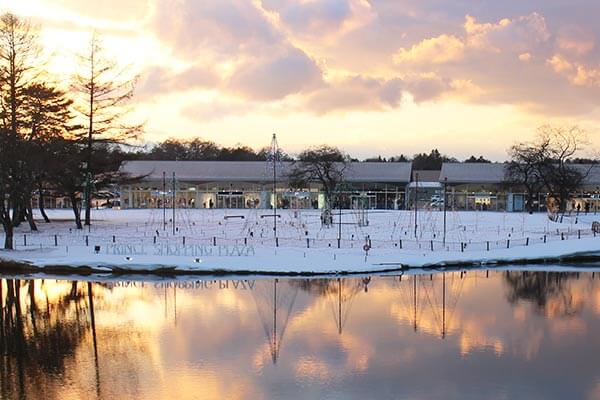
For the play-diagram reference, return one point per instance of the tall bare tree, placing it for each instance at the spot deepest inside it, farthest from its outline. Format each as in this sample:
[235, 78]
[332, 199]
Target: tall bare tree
[104, 92]
[19, 56]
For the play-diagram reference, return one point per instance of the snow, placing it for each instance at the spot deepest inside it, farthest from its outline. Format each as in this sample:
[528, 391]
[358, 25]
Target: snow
[209, 241]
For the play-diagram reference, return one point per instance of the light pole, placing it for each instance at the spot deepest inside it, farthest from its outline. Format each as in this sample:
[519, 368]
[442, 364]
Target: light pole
[173, 183]
[275, 157]
[416, 200]
[164, 200]
[445, 183]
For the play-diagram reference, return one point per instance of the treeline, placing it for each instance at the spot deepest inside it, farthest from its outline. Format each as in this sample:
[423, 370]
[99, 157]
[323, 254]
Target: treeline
[198, 149]
[56, 139]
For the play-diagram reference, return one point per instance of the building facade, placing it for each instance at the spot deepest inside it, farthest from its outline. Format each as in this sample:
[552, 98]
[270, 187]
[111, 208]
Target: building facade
[249, 184]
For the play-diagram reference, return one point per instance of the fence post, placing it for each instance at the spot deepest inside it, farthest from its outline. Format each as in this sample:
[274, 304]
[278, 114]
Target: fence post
[487, 245]
[276, 242]
[307, 243]
[431, 241]
[245, 241]
[508, 243]
[25, 240]
[400, 244]
[544, 238]
[339, 244]
[462, 246]
[527, 242]
[87, 240]
[154, 239]
[562, 236]
[214, 240]
[183, 240]
[578, 233]
[55, 241]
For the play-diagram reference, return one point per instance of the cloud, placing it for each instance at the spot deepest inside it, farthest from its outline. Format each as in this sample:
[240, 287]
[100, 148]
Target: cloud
[356, 93]
[221, 29]
[576, 73]
[290, 72]
[321, 20]
[436, 50]
[518, 35]
[161, 80]
[573, 39]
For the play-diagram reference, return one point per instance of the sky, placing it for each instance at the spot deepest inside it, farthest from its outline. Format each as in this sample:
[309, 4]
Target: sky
[373, 77]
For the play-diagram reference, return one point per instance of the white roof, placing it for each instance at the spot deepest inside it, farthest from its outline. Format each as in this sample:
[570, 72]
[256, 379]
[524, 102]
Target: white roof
[257, 171]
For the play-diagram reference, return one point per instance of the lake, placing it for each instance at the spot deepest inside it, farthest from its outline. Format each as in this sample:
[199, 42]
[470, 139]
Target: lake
[491, 334]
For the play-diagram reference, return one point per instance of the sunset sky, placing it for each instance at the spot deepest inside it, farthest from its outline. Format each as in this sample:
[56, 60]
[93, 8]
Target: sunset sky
[370, 76]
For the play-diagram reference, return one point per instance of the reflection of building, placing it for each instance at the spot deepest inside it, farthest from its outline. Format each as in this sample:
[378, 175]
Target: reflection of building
[248, 184]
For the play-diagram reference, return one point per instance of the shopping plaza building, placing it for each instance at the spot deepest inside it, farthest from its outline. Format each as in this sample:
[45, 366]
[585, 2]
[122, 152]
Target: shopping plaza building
[372, 185]
[249, 184]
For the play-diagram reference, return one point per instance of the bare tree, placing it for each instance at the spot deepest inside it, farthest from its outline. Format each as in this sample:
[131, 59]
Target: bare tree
[323, 164]
[523, 169]
[545, 164]
[19, 55]
[104, 90]
[560, 177]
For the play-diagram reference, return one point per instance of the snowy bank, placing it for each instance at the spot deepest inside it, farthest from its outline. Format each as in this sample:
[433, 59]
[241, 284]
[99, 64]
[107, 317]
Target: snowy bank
[211, 241]
[292, 261]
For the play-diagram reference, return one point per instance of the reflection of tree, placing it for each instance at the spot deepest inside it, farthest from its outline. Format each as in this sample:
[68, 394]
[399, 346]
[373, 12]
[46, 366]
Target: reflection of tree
[274, 303]
[37, 341]
[542, 289]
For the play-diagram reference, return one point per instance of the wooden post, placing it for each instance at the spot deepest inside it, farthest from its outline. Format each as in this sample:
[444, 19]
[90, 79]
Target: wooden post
[55, 240]
[508, 243]
[307, 243]
[488, 245]
[86, 240]
[214, 240]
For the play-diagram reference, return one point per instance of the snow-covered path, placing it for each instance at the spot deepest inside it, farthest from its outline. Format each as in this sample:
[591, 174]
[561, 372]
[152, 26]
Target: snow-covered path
[243, 240]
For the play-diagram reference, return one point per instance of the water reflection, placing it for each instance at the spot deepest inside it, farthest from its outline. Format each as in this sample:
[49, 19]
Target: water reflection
[447, 335]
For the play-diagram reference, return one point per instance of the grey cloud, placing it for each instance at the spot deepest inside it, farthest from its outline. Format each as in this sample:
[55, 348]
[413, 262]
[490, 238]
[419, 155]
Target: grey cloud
[291, 72]
[159, 80]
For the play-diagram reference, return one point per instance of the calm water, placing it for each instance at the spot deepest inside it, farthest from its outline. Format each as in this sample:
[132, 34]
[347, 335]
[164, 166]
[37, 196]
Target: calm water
[448, 335]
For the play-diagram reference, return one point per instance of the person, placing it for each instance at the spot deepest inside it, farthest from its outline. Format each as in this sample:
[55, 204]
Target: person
[578, 208]
[587, 207]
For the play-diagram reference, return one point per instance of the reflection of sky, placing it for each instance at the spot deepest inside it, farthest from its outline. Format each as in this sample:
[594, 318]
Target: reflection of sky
[527, 335]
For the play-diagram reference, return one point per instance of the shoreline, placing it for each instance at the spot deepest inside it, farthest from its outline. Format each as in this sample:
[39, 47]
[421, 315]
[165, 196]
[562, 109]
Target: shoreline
[575, 260]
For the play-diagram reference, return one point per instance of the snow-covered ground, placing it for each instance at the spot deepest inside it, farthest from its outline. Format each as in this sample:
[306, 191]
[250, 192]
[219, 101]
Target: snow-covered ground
[244, 240]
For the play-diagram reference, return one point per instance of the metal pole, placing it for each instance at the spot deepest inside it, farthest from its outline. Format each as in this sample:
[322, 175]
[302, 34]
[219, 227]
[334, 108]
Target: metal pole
[416, 200]
[274, 193]
[164, 200]
[445, 183]
[340, 221]
[173, 203]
